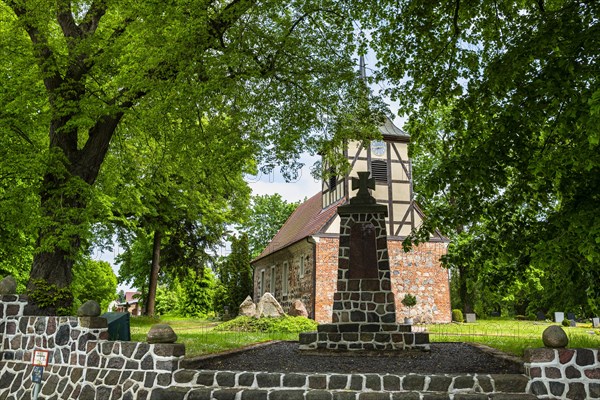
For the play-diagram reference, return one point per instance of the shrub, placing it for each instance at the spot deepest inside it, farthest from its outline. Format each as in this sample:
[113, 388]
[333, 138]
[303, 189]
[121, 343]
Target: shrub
[284, 324]
[566, 322]
[457, 315]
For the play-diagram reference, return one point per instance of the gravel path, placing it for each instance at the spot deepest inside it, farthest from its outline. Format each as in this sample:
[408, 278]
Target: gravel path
[285, 357]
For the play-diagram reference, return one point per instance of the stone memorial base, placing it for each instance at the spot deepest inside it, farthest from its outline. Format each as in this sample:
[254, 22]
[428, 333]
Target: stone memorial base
[364, 337]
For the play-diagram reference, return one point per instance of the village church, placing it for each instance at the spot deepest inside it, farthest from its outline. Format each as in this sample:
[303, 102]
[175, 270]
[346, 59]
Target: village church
[301, 261]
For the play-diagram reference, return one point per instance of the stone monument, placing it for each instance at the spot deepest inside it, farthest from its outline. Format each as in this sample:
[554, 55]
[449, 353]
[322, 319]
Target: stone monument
[364, 311]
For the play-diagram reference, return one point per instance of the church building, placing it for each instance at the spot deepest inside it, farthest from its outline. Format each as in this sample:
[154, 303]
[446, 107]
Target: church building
[301, 261]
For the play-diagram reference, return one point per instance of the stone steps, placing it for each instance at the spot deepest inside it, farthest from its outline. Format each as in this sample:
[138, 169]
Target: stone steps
[231, 385]
[315, 394]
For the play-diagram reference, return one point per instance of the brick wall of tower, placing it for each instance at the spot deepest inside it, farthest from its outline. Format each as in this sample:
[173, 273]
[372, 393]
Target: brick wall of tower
[326, 277]
[419, 272]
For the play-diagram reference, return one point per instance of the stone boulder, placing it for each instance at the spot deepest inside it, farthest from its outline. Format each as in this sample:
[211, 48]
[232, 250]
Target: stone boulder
[555, 337]
[247, 308]
[298, 309]
[161, 333]
[8, 285]
[268, 307]
[90, 308]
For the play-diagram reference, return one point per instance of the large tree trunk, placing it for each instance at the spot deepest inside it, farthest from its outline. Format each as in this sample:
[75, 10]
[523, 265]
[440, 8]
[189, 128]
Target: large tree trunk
[62, 204]
[154, 270]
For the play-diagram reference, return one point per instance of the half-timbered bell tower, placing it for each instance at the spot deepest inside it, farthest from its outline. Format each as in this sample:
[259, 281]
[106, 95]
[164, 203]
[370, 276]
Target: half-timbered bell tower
[388, 162]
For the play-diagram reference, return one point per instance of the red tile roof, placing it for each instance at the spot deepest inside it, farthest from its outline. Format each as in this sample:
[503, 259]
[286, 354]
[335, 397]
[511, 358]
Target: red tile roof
[308, 219]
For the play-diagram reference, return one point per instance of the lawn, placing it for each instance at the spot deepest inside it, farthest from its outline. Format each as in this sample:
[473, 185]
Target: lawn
[200, 338]
[507, 335]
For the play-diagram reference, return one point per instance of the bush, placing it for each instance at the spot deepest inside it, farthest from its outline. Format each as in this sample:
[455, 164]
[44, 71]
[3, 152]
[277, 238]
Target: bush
[457, 315]
[285, 324]
[566, 322]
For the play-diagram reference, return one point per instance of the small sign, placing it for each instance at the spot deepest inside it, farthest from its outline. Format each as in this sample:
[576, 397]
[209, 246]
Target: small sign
[37, 373]
[40, 358]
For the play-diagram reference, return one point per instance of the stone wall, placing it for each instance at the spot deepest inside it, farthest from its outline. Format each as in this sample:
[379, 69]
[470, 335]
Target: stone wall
[326, 277]
[82, 363]
[564, 373]
[419, 272]
[300, 286]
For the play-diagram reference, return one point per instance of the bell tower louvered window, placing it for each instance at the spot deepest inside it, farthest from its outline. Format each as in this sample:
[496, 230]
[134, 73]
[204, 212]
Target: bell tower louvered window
[379, 171]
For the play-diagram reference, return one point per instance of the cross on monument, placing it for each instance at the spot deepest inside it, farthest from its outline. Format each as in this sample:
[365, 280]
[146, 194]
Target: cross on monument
[363, 183]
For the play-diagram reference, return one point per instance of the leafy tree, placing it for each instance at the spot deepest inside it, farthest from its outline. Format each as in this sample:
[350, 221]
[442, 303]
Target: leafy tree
[518, 83]
[94, 280]
[235, 274]
[168, 299]
[267, 215]
[198, 291]
[281, 73]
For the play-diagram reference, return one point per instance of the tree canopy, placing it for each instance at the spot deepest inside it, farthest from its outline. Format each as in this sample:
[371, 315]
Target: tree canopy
[266, 216]
[503, 98]
[274, 78]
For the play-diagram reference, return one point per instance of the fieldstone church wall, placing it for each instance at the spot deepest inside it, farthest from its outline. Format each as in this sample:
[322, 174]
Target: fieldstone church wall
[418, 272]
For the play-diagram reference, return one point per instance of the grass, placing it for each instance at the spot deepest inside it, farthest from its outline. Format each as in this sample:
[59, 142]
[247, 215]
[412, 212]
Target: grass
[510, 336]
[199, 335]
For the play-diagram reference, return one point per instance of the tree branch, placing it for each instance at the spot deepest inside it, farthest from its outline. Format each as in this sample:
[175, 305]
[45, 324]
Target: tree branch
[64, 16]
[455, 19]
[92, 154]
[228, 17]
[42, 51]
[541, 6]
[92, 17]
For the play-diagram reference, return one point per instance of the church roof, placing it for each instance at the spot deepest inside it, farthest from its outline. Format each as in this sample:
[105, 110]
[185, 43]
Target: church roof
[389, 130]
[308, 219]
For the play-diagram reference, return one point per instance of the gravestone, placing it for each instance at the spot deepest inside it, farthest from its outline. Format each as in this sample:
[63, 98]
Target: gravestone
[596, 322]
[571, 316]
[364, 308]
[540, 316]
[470, 317]
[559, 316]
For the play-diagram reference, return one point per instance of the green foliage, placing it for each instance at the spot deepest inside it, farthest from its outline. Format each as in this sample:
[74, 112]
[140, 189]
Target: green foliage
[93, 280]
[197, 294]
[46, 295]
[457, 315]
[168, 299]
[503, 106]
[267, 215]
[183, 98]
[409, 300]
[235, 275]
[566, 322]
[284, 324]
